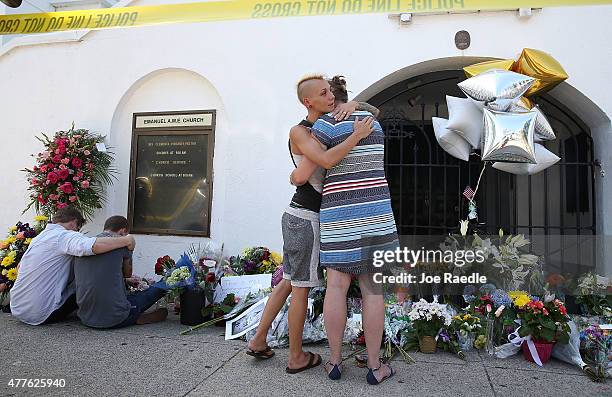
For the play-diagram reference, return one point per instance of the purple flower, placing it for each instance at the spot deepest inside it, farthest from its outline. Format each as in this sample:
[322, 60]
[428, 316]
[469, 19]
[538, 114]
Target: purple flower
[444, 336]
[249, 266]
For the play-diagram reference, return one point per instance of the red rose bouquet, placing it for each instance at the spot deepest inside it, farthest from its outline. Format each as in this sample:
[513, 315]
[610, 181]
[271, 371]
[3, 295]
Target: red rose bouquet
[164, 265]
[73, 169]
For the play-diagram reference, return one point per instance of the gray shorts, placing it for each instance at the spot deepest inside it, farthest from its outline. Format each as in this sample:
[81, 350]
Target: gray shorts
[301, 239]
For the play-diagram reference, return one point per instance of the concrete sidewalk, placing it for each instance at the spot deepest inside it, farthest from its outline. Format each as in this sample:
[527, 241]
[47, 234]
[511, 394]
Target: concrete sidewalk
[156, 360]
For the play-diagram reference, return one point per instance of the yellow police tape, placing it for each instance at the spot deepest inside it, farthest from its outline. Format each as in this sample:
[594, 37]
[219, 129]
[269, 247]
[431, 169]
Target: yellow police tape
[119, 17]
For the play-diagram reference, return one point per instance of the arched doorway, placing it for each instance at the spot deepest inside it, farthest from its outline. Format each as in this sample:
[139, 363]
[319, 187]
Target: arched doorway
[555, 209]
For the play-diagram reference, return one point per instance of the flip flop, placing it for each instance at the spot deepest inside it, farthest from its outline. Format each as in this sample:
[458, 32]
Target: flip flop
[262, 354]
[372, 379]
[314, 361]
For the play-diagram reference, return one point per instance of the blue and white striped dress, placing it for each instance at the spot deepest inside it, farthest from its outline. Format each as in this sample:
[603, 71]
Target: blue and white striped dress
[356, 214]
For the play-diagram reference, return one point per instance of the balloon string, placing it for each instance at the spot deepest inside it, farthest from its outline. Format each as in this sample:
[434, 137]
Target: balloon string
[478, 183]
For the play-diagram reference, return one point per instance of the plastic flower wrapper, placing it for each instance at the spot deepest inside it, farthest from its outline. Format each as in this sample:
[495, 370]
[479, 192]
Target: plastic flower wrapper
[447, 342]
[183, 276]
[396, 321]
[597, 348]
[278, 335]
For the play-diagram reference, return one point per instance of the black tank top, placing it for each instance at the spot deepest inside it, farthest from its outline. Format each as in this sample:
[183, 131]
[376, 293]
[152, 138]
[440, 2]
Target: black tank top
[305, 196]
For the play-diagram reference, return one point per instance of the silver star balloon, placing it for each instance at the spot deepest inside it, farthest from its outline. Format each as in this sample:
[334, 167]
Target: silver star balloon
[543, 129]
[508, 137]
[496, 89]
[544, 159]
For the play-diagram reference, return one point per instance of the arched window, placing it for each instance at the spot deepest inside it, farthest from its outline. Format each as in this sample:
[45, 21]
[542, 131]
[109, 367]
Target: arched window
[555, 208]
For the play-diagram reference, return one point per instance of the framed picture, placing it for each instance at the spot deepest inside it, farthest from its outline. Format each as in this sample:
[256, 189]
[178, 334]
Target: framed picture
[237, 327]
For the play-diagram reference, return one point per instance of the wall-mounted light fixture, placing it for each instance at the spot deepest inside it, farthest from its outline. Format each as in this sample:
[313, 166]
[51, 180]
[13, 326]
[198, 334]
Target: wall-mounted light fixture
[405, 18]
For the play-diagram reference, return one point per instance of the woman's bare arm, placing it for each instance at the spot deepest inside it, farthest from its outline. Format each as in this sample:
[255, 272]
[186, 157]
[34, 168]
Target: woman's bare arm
[312, 149]
[302, 173]
[368, 108]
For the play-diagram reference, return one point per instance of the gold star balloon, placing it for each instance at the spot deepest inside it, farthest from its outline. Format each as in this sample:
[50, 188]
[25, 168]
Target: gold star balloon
[477, 68]
[508, 137]
[541, 66]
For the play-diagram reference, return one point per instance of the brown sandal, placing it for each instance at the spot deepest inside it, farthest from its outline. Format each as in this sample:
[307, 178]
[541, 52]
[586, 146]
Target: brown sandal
[262, 354]
[314, 361]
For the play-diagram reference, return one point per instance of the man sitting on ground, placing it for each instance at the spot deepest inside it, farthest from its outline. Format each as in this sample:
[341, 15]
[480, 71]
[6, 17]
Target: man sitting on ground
[100, 287]
[44, 291]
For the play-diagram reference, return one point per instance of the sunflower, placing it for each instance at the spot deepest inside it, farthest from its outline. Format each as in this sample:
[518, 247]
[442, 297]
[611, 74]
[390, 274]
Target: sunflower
[12, 274]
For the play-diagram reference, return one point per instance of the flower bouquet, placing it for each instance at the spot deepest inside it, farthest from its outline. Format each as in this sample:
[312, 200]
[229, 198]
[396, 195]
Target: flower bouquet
[466, 326]
[396, 336]
[596, 345]
[542, 325]
[494, 306]
[428, 319]
[256, 260]
[505, 261]
[73, 169]
[12, 249]
[594, 294]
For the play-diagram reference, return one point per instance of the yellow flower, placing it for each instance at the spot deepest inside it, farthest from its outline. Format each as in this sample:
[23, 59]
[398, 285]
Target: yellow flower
[276, 258]
[41, 218]
[8, 261]
[4, 271]
[519, 298]
[12, 274]
[12, 228]
[11, 239]
[28, 241]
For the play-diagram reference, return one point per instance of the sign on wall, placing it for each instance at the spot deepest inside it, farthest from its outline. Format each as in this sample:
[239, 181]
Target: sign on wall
[171, 173]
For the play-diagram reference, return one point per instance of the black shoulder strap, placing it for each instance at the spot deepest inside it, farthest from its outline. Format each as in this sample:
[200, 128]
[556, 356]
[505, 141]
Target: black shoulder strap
[306, 123]
[303, 123]
[291, 153]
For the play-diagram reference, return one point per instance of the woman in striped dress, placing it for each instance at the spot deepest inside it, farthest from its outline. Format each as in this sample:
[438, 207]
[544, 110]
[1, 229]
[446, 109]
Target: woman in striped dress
[356, 219]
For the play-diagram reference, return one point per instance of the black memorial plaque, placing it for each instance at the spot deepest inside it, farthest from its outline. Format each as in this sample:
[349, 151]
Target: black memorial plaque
[171, 185]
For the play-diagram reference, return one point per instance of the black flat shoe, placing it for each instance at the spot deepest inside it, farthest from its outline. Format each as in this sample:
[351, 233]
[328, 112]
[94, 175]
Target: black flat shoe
[372, 379]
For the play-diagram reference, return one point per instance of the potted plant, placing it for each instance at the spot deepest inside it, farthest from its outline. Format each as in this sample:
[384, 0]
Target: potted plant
[428, 319]
[544, 323]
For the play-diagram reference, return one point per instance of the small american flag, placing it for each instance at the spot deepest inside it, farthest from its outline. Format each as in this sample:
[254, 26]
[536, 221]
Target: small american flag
[468, 193]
